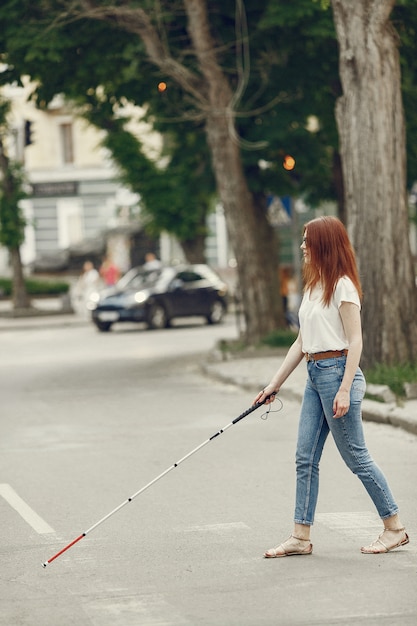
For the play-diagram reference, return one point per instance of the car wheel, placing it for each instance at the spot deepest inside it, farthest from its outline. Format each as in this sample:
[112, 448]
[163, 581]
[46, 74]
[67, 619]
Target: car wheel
[157, 317]
[216, 312]
[103, 327]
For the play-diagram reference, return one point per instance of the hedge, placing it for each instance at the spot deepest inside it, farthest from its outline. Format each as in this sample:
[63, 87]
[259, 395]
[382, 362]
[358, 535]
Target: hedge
[36, 287]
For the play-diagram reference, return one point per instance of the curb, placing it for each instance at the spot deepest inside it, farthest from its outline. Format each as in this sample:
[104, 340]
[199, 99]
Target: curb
[390, 414]
[38, 320]
[372, 411]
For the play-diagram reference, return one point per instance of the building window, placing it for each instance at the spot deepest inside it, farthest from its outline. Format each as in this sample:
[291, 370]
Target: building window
[67, 143]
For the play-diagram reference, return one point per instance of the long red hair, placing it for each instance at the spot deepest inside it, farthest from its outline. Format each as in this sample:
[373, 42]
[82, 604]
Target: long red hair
[331, 256]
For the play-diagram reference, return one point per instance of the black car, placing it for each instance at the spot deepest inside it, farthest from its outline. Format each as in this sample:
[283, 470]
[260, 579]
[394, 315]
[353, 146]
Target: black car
[158, 296]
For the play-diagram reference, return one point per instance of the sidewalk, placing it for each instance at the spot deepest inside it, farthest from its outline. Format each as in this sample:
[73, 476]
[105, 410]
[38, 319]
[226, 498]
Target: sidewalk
[251, 372]
[46, 312]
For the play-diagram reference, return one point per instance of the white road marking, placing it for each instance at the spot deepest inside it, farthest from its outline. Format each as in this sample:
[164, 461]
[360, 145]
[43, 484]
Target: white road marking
[24, 510]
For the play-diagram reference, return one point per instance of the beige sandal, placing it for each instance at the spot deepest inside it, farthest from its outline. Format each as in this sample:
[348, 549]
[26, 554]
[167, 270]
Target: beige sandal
[379, 547]
[291, 547]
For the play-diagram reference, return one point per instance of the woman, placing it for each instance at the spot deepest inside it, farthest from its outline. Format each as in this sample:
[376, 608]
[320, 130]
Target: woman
[330, 339]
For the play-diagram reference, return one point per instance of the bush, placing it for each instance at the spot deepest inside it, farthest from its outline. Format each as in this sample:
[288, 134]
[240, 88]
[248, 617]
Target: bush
[36, 287]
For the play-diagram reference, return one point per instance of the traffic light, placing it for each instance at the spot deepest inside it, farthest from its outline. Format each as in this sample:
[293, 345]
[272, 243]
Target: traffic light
[28, 133]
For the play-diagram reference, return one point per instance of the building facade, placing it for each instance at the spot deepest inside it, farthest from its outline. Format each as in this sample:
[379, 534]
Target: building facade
[74, 190]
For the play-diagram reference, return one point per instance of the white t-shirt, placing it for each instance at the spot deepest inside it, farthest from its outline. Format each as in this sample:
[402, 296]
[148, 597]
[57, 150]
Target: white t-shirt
[321, 326]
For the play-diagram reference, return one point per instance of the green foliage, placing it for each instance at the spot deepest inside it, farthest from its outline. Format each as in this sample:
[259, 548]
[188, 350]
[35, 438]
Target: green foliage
[286, 84]
[35, 287]
[290, 14]
[284, 65]
[12, 222]
[394, 376]
[280, 338]
[102, 80]
[176, 197]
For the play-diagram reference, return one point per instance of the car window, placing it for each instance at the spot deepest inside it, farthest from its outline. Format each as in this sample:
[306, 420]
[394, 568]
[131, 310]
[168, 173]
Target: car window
[151, 277]
[189, 276]
[130, 276]
[137, 282]
[209, 273]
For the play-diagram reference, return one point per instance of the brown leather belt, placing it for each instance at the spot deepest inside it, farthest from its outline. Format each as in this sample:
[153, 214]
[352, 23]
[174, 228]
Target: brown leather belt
[329, 354]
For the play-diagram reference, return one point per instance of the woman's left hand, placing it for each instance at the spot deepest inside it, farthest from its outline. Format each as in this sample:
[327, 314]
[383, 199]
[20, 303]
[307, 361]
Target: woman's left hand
[341, 403]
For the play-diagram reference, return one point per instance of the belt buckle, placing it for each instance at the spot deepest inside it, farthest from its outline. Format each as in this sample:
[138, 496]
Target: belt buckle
[308, 357]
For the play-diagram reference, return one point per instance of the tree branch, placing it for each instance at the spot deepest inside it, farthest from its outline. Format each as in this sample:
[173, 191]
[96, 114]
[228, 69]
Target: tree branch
[137, 21]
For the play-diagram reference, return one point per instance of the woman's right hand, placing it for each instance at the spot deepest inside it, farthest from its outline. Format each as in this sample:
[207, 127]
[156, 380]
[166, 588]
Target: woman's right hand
[267, 395]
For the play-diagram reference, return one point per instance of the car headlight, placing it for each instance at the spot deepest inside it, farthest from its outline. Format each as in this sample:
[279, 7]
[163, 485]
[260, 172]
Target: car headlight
[141, 297]
[94, 297]
[93, 300]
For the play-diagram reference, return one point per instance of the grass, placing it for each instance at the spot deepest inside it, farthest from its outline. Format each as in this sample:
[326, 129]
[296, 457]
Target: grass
[394, 376]
[280, 338]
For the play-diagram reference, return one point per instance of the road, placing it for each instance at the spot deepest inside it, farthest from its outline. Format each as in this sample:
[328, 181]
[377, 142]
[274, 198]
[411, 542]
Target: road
[88, 419]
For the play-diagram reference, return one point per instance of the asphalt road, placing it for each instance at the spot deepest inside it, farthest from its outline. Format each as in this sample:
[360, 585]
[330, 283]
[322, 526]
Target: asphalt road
[88, 419]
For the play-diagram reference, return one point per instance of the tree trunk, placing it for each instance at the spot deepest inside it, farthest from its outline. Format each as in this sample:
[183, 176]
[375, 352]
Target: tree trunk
[372, 140]
[339, 186]
[20, 296]
[194, 249]
[252, 238]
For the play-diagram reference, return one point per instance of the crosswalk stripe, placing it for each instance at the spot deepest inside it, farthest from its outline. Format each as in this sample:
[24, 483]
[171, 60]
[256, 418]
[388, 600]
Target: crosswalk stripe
[24, 510]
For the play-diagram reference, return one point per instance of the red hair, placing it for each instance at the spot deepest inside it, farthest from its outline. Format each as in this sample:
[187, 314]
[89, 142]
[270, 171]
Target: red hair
[331, 256]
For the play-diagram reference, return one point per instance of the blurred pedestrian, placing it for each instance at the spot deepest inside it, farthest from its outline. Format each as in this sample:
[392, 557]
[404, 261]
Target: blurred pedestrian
[109, 272]
[284, 280]
[330, 339]
[87, 283]
[288, 294]
[151, 262]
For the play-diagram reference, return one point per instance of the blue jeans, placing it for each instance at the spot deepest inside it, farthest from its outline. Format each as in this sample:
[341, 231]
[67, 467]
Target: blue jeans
[316, 421]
